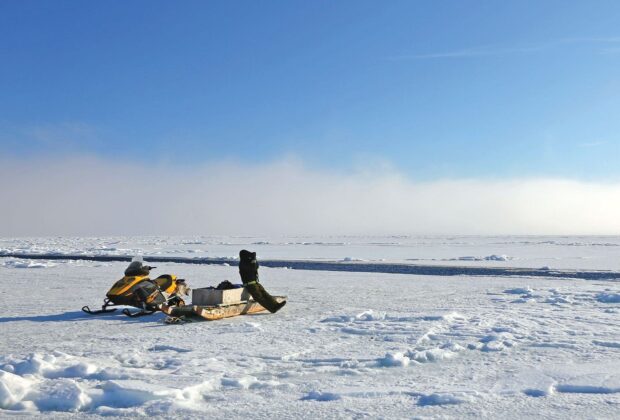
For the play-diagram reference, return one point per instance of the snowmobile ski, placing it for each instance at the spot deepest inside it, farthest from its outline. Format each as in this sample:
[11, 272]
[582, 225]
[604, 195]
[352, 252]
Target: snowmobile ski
[104, 308]
[98, 311]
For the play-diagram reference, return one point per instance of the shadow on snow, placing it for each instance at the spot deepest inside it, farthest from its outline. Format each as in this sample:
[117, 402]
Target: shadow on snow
[72, 316]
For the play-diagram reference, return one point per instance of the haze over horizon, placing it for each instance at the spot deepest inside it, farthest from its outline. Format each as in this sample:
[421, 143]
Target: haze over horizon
[292, 117]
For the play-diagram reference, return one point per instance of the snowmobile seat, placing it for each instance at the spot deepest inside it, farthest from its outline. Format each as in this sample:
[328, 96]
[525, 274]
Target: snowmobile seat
[166, 283]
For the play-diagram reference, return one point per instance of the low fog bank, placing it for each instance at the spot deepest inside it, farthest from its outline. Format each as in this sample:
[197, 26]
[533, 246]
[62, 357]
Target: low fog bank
[88, 196]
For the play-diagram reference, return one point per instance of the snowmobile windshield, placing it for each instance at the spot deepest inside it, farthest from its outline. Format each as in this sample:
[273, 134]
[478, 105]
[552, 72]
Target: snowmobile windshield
[137, 269]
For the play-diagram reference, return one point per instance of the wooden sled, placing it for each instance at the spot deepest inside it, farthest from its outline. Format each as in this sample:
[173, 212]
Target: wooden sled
[215, 312]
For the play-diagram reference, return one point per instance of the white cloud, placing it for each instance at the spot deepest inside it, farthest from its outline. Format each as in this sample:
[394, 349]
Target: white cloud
[87, 196]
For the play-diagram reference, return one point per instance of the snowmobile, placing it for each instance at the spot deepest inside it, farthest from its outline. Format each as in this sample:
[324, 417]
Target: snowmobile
[138, 290]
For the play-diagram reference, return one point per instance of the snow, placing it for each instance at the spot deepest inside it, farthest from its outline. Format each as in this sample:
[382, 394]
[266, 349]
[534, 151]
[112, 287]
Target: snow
[26, 264]
[321, 396]
[493, 257]
[441, 399]
[519, 291]
[608, 297]
[394, 359]
[347, 344]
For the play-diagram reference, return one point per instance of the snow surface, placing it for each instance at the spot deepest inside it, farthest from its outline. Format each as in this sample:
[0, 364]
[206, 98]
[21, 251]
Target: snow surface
[347, 345]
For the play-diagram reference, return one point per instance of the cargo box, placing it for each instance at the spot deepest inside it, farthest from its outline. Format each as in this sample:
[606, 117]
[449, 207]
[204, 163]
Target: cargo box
[208, 296]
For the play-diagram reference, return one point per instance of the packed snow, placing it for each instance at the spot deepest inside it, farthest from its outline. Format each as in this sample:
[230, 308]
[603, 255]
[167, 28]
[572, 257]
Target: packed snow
[347, 344]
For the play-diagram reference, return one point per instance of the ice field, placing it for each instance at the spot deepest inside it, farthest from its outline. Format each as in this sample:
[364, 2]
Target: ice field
[347, 345]
[585, 252]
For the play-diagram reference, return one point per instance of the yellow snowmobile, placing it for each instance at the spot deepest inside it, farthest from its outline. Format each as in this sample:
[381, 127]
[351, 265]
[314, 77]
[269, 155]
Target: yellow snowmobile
[138, 290]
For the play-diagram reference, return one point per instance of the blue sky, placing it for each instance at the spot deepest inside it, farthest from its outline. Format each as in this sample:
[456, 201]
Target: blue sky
[435, 89]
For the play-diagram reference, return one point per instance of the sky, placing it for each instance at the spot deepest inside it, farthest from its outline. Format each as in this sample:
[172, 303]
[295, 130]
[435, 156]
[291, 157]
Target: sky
[435, 107]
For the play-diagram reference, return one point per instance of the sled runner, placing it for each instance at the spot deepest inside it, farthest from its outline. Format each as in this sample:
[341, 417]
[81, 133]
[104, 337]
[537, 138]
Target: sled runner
[215, 312]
